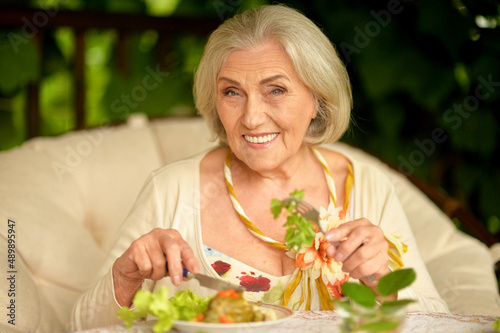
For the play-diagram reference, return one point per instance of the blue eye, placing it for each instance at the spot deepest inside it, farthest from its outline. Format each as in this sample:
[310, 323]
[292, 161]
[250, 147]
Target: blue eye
[230, 93]
[276, 91]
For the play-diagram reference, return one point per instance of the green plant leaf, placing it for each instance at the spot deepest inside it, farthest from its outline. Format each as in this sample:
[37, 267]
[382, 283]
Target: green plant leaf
[360, 294]
[379, 326]
[276, 207]
[394, 281]
[298, 194]
[391, 307]
[300, 231]
[343, 304]
[184, 305]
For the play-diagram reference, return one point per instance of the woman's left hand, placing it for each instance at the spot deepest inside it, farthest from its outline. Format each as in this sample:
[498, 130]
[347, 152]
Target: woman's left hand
[363, 250]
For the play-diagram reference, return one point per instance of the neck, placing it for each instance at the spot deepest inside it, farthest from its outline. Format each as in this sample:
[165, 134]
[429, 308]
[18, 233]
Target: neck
[288, 172]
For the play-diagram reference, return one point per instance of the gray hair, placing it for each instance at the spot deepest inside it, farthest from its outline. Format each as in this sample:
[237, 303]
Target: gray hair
[311, 52]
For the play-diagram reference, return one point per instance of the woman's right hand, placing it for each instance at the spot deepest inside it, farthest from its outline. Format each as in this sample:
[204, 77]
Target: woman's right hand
[146, 258]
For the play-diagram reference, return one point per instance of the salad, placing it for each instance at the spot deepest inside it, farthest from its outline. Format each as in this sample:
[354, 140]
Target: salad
[226, 307]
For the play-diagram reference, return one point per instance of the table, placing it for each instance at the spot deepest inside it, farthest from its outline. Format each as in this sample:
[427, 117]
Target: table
[325, 321]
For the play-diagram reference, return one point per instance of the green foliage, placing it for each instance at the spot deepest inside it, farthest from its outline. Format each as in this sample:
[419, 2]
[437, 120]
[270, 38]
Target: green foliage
[359, 293]
[18, 61]
[184, 305]
[363, 311]
[300, 231]
[189, 304]
[395, 281]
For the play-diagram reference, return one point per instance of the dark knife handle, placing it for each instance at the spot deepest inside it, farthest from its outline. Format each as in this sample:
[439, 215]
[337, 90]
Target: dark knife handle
[185, 272]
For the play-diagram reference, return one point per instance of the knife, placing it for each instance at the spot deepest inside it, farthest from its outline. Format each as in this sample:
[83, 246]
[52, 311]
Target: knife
[210, 282]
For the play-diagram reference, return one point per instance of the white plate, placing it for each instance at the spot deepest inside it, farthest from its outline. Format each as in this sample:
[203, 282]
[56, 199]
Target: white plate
[282, 314]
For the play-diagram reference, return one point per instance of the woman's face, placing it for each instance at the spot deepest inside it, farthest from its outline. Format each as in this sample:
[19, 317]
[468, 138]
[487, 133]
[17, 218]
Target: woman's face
[263, 105]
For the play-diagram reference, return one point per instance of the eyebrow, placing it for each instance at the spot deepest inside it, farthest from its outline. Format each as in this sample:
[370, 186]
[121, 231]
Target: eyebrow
[263, 81]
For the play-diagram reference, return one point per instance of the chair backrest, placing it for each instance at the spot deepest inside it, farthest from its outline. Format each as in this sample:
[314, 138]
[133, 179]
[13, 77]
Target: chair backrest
[455, 211]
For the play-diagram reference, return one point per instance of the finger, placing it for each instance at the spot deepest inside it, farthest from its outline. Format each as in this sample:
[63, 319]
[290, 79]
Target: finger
[330, 251]
[374, 246]
[357, 238]
[340, 234]
[369, 279]
[158, 261]
[189, 259]
[173, 254]
[367, 262]
[139, 258]
[362, 261]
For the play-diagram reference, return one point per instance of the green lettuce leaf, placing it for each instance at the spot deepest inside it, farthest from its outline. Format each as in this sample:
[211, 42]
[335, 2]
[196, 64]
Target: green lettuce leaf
[184, 305]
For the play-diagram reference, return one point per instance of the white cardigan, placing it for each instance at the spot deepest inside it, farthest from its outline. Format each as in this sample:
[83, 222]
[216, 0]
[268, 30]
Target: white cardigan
[171, 199]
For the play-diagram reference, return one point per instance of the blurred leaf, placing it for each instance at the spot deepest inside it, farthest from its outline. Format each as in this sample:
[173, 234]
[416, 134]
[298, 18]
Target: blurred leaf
[161, 7]
[404, 69]
[462, 77]
[343, 303]
[483, 7]
[65, 39]
[66, 4]
[493, 225]
[359, 293]
[56, 96]
[395, 281]
[389, 118]
[191, 49]
[436, 18]
[380, 326]
[125, 6]
[100, 45]
[467, 176]
[8, 138]
[487, 69]
[391, 307]
[18, 61]
[488, 194]
[473, 131]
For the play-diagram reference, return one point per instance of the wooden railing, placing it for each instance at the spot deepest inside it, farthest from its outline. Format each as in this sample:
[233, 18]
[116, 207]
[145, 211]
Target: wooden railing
[36, 23]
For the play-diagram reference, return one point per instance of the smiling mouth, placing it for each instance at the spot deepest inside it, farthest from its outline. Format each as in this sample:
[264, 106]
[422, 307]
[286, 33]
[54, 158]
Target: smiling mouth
[260, 139]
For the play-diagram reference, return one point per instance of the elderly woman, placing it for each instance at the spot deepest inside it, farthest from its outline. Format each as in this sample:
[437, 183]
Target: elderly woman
[273, 89]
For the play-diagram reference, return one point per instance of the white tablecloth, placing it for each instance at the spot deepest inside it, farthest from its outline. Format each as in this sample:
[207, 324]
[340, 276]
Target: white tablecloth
[326, 321]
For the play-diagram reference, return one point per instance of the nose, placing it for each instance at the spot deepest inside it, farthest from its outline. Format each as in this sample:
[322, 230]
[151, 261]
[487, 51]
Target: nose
[254, 112]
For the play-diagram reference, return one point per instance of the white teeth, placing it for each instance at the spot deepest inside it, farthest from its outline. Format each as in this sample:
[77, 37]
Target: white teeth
[260, 139]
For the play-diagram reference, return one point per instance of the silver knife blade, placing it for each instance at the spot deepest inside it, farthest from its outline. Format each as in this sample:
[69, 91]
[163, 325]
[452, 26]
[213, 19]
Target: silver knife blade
[214, 283]
[210, 282]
